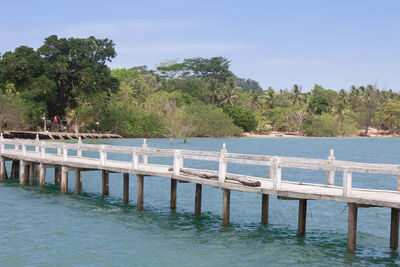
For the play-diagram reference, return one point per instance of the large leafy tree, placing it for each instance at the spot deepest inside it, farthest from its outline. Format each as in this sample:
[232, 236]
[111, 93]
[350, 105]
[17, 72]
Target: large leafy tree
[78, 67]
[61, 72]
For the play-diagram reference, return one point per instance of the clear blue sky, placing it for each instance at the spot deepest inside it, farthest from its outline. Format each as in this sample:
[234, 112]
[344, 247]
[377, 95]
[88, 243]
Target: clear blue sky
[278, 43]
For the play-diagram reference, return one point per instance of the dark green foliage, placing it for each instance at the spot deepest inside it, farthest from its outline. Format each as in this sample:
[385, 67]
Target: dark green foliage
[241, 117]
[248, 84]
[318, 104]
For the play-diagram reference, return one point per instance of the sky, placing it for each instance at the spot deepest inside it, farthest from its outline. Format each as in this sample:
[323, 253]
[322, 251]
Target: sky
[333, 43]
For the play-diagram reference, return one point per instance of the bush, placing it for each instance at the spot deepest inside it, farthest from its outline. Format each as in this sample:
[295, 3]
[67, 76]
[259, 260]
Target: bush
[323, 125]
[241, 117]
[208, 121]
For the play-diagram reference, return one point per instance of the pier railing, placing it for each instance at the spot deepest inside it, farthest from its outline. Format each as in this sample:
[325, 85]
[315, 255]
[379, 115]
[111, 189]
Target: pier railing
[42, 149]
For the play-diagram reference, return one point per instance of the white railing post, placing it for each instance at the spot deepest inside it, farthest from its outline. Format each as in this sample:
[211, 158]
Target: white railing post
[135, 160]
[79, 149]
[398, 180]
[103, 155]
[276, 172]
[144, 156]
[58, 149]
[65, 152]
[331, 173]
[23, 149]
[1, 143]
[16, 146]
[42, 150]
[37, 143]
[347, 183]
[222, 165]
[177, 162]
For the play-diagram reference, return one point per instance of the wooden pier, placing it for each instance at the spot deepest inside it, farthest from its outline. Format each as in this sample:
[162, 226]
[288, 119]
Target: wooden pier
[31, 159]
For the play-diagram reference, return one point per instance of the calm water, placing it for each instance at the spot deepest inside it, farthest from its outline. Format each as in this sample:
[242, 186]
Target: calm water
[41, 227]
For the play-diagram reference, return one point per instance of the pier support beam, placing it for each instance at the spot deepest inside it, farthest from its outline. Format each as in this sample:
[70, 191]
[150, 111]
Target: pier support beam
[264, 208]
[174, 188]
[2, 169]
[42, 174]
[31, 173]
[23, 173]
[197, 199]
[301, 228]
[140, 181]
[126, 188]
[27, 169]
[78, 181]
[64, 180]
[105, 183]
[394, 229]
[15, 169]
[57, 176]
[37, 172]
[226, 202]
[352, 227]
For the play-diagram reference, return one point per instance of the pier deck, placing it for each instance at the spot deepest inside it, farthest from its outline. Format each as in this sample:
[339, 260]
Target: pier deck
[68, 157]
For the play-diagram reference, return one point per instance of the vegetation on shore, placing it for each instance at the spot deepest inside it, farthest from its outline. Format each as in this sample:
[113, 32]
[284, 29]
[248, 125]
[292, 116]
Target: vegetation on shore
[200, 97]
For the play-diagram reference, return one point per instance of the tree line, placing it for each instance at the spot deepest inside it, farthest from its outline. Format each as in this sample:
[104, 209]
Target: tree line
[196, 96]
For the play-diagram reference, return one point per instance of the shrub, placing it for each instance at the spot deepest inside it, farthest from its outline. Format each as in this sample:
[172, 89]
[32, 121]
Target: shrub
[241, 117]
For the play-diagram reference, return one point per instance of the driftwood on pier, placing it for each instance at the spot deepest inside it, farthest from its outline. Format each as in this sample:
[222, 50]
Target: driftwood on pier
[243, 181]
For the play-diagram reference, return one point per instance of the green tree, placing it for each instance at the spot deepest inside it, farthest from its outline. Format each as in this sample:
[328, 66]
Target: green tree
[389, 115]
[241, 117]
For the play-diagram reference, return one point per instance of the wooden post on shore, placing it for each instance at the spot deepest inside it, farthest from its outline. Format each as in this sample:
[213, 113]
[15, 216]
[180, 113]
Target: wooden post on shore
[197, 199]
[140, 181]
[126, 188]
[301, 228]
[394, 229]
[226, 206]
[57, 176]
[31, 173]
[2, 169]
[264, 208]
[174, 188]
[22, 172]
[352, 227]
[78, 181]
[42, 174]
[64, 180]
[105, 183]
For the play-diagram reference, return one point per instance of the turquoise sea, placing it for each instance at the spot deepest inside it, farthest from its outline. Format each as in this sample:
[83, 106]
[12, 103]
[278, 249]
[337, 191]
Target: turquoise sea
[41, 227]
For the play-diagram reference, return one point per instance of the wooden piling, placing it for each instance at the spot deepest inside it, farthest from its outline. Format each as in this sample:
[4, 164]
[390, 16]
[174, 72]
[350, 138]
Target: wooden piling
[126, 188]
[64, 180]
[42, 174]
[22, 172]
[352, 227]
[226, 199]
[301, 228]
[197, 199]
[394, 229]
[78, 181]
[264, 208]
[57, 176]
[140, 181]
[105, 183]
[37, 172]
[27, 169]
[174, 188]
[31, 173]
[2, 169]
